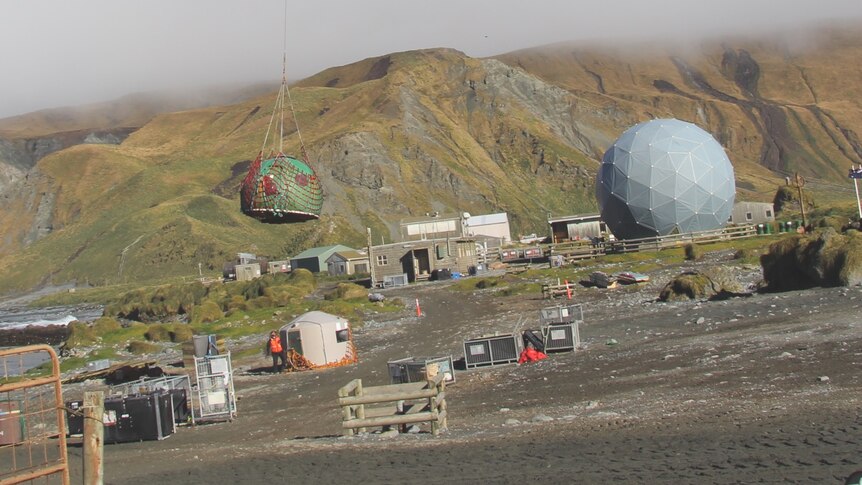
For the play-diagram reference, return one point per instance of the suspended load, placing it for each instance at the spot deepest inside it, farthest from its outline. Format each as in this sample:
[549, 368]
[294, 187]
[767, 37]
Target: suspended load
[281, 189]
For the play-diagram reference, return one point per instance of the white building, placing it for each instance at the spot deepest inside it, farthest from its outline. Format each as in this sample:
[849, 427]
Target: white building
[489, 225]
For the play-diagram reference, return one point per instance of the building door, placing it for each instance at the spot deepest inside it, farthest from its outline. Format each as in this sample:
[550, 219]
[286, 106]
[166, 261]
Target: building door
[422, 260]
[408, 266]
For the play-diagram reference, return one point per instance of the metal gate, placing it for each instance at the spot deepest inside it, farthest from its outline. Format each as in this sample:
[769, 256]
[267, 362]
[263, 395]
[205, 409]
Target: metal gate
[216, 398]
[32, 421]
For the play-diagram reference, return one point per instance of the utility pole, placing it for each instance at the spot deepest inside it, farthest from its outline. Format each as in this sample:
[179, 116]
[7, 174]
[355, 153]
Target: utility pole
[370, 257]
[856, 174]
[799, 182]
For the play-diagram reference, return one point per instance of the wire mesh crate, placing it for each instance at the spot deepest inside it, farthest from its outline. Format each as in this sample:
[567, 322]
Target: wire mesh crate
[561, 337]
[561, 314]
[491, 350]
[421, 369]
[215, 393]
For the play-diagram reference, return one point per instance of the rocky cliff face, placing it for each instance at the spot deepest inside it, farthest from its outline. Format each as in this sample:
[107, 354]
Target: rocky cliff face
[21, 199]
[777, 104]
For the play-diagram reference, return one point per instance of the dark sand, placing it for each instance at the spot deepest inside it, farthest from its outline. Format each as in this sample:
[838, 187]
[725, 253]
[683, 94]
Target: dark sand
[740, 398]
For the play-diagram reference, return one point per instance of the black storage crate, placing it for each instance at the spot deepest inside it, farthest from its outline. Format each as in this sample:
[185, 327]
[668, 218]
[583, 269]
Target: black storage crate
[493, 350]
[420, 369]
[74, 417]
[561, 337]
[146, 417]
[182, 410]
[141, 417]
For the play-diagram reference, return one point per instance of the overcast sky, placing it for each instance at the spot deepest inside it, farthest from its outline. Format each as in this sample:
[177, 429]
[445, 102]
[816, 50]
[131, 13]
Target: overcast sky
[66, 52]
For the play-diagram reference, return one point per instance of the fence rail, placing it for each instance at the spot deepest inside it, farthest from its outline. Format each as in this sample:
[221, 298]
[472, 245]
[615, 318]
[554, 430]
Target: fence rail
[415, 402]
[579, 250]
[676, 240]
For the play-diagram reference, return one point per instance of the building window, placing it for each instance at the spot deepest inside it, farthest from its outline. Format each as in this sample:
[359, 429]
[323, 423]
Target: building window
[768, 213]
[748, 216]
[382, 260]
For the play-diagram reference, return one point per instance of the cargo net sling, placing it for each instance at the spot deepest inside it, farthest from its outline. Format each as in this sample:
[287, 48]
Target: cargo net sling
[280, 189]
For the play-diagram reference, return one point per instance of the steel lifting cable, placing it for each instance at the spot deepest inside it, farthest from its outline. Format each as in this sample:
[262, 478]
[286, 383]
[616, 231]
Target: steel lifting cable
[271, 119]
[279, 103]
[286, 88]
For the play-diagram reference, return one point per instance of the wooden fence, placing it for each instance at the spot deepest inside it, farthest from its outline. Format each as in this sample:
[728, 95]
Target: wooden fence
[578, 250]
[564, 290]
[393, 405]
[677, 240]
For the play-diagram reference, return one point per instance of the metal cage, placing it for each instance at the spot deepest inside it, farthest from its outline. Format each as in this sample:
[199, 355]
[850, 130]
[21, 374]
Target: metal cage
[561, 314]
[561, 337]
[215, 394]
[493, 350]
[421, 369]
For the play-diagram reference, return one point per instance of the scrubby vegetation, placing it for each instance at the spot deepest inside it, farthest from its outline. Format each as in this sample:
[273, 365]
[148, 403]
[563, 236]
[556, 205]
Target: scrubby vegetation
[347, 291]
[172, 313]
[142, 347]
[824, 258]
[692, 252]
[205, 304]
[709, 283]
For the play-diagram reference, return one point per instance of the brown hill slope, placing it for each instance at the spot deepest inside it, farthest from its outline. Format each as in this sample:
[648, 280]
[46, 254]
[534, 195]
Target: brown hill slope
[415, 132]
[784, 104]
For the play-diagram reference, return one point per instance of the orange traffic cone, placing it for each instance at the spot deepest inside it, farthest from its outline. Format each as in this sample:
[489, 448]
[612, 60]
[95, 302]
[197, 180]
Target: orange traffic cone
[418, 309]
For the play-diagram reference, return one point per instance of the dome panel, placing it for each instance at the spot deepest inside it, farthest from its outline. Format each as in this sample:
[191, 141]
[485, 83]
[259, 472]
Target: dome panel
[668, 175]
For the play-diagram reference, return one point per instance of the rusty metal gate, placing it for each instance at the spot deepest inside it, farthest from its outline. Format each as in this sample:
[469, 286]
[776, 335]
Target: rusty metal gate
[32, 420]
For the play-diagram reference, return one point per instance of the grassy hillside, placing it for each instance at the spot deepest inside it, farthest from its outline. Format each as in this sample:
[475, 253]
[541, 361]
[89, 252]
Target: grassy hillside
[434, 130]
[781, 104]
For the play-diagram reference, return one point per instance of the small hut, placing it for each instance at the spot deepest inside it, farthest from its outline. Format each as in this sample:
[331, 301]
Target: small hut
[322, 339]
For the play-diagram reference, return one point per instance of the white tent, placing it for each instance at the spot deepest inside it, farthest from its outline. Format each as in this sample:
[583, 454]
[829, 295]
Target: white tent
[320, 337]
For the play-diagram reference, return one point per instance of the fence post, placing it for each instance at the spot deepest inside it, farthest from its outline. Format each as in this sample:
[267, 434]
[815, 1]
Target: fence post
[360, 410]
[94, 434]
[441, 404]
[346, 410]
[432, 406]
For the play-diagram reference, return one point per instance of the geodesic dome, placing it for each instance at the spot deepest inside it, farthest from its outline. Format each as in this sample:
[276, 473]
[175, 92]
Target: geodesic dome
[664, 177]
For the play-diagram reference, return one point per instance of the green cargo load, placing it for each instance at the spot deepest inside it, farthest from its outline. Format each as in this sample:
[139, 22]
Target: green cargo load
[281, 189]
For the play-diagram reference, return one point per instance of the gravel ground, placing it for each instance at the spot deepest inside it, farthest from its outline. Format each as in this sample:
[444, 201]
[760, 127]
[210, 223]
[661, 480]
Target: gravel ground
[760, 388]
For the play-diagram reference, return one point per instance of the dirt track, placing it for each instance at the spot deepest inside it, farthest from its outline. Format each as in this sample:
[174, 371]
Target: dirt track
[740, 397]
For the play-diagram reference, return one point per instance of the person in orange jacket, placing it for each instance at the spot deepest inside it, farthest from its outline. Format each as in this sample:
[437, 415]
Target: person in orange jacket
[530, 354]
[275, 348]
